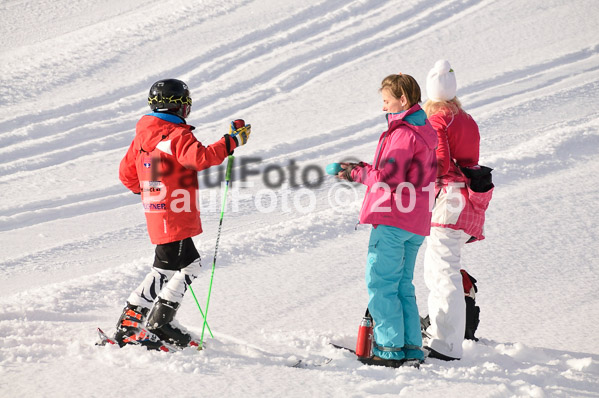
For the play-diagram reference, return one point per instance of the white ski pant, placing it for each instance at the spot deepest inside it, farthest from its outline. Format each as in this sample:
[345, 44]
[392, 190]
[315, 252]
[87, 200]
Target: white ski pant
[446, 303]
[166, 284]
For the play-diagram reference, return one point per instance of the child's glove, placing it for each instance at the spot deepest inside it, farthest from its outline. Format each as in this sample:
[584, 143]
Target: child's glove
[240, 131]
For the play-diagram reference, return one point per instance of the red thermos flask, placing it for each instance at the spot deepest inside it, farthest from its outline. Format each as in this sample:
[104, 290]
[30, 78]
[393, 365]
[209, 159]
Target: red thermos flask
[238, 123]
[364, 343]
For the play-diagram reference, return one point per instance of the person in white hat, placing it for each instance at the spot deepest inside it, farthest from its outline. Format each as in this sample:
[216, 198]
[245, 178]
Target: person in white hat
[458, 215]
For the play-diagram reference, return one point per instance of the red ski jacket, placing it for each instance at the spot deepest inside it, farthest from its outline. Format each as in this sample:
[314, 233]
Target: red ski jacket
[162, 164]
[459, 140]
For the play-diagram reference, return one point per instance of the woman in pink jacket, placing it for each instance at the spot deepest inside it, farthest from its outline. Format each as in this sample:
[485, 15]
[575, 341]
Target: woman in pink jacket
[459, 212]
[400, 184]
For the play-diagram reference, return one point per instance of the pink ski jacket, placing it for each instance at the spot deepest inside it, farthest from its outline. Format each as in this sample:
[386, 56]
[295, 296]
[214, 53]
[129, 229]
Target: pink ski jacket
[457, 206]
[401, 178]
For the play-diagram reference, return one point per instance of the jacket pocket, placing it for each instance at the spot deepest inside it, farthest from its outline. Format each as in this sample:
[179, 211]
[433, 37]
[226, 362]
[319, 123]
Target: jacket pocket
[480, 200]
[372, 251]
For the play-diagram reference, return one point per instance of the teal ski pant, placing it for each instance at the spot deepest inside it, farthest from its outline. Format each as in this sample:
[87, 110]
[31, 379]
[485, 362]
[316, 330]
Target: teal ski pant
[392, 299]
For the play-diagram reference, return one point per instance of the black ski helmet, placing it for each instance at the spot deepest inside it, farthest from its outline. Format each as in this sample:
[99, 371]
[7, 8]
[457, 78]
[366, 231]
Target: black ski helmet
[171, 95]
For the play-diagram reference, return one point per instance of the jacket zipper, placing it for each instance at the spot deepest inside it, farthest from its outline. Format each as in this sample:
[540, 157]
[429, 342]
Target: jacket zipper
[376, 163]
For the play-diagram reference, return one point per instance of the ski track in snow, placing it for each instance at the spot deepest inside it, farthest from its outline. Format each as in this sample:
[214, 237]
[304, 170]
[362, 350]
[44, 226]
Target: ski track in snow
[75, 242]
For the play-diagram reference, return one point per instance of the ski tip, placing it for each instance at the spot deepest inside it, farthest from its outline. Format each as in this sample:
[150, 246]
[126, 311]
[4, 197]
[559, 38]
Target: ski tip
[309, 364]
[340, 347]
[104, 338]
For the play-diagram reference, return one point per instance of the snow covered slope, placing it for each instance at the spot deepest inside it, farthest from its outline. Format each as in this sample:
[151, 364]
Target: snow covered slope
[289, 276]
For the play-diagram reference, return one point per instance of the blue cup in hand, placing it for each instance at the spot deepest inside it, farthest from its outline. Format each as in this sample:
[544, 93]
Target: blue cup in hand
[333, 168]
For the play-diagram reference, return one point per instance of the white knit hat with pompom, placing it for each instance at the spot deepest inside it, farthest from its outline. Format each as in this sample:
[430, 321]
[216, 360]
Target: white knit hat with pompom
[440, 82]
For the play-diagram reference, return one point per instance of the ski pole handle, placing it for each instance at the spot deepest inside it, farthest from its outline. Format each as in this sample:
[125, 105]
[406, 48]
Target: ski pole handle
[229, 167]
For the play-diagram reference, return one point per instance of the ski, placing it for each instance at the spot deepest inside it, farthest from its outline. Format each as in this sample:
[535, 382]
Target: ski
[174, 347]
[343, 348]
[301, 364]
[415, 363]
[144, 338]
[103, 338]
[390, 363]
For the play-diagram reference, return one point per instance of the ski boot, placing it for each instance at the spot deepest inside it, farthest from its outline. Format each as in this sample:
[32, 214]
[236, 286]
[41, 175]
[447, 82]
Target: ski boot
[160, 322]
[130, 330]
[472, 318]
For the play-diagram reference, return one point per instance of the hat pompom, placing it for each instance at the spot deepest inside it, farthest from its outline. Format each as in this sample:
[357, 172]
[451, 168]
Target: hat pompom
[441, 84]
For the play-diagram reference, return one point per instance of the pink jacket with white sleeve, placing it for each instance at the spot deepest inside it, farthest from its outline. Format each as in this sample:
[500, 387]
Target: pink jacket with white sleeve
[401, 179]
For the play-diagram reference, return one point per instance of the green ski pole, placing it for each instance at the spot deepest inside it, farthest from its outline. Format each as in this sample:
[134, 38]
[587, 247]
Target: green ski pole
[220, 224]
[200, 308]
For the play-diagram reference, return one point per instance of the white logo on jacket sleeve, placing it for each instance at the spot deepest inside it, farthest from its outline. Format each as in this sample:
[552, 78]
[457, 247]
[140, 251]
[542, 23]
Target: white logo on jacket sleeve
[165, 146]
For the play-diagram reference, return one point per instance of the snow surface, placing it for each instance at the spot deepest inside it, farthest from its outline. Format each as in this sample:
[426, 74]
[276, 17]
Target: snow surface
[74, 78]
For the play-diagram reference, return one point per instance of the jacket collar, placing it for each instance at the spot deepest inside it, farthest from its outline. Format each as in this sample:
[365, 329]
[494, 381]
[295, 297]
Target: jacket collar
[414, 118]
[168, 117]
[411, 116]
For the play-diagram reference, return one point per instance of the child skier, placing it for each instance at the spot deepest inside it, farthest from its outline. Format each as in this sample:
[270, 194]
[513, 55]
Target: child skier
[161, 165]
[463, 192]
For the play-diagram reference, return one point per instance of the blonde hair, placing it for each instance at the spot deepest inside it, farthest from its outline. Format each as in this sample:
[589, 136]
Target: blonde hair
[402, 84]
[453, 107]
